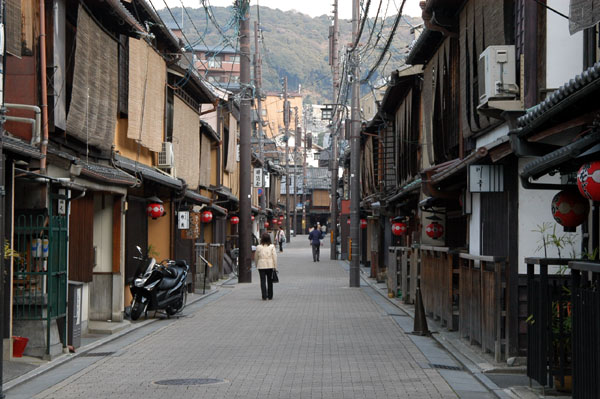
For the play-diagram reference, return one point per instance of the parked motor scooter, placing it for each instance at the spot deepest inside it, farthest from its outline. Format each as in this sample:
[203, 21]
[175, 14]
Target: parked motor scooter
[158, 286]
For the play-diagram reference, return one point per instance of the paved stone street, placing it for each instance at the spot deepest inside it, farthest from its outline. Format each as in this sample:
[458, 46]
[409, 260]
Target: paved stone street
[316, 339]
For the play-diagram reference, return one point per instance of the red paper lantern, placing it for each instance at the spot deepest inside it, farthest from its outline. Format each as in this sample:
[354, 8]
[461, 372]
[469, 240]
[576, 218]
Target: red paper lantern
[398, 228]
[281, 217]
[280, 223]
[275, 221]
[252, 218]
[266, 225]
[348, 221]
[588, 180]
[155, 210]
[363, 223]
[569, 209]
[206, 217]
[434, 230]
[235, 220]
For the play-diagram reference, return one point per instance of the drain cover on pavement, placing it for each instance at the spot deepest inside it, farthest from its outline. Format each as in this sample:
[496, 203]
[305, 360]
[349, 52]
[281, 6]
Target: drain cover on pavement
[190, 381]
[444, 367]
[97, 354]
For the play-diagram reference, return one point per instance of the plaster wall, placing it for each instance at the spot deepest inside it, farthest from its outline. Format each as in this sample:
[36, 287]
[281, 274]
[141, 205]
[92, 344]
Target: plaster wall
[534, 211]
[564, 53]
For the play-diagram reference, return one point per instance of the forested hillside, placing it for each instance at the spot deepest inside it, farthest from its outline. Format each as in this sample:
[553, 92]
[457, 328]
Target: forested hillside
[296, 45]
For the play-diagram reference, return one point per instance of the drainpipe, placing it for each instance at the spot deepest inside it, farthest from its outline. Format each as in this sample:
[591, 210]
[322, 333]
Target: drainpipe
[44, 107]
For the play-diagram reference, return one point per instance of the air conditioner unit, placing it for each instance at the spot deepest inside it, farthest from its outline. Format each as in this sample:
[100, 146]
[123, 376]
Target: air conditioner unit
[497, 75]
[166, 159]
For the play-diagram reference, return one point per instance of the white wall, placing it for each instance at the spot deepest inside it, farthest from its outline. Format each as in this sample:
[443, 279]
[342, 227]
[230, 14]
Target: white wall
[534, 210]
[564, 57]
[103, 232]
[475, 225]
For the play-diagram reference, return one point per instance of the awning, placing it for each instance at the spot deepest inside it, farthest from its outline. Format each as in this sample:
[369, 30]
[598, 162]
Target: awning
[414, 185]
[197, 198]
[457, 165]
[208, 130]
[219, 209]
[225, 192]
[147, 172]
[585, 146]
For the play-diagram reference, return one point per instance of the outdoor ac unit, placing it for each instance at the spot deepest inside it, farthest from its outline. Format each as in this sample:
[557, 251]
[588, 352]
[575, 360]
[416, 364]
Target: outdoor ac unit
[166, 159]
[497, 74]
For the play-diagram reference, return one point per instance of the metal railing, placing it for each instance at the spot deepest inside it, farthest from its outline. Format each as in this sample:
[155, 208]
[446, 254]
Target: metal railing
[548, 309]
[585, 296]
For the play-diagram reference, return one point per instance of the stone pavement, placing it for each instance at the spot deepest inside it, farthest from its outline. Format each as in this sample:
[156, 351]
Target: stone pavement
[318, 338]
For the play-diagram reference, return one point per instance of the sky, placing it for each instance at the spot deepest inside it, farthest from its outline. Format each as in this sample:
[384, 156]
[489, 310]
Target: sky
[314, 8]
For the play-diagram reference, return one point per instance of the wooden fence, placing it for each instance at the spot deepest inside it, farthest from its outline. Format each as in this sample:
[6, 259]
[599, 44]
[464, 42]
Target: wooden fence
[483, 302]
[403, 272]
[439, 285]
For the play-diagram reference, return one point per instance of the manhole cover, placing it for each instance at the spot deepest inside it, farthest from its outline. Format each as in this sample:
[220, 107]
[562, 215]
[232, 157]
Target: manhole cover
[190, 381]
[444, 367]
[97, 354]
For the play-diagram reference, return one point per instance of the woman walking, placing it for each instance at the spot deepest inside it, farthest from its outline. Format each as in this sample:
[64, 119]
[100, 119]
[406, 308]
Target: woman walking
[266, 263]
[280, 238]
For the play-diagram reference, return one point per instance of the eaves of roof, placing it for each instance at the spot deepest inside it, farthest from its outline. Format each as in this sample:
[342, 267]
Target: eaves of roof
[206, 128]
[197, 198]
[571, 93]
[20, 147]
[425, 47]
[147, 172]
[105, 173]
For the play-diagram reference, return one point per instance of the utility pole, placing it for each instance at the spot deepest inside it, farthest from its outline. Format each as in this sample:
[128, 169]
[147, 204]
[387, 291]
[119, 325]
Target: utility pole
[286, 122]
[355, 154]
[245, 275]
[2, 205]
[304, 178]
[296, 143]
[258, 83]
[334, 136]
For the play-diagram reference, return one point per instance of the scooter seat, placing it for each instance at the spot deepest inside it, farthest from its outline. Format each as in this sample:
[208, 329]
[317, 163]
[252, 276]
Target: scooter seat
[170, 282]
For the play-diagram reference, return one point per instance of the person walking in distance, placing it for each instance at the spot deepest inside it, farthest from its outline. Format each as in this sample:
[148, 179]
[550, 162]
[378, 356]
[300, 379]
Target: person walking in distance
[280, 238]
[315, 237]
[266, 263]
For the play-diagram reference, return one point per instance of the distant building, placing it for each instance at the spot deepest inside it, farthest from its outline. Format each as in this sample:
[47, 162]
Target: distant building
[220, 66]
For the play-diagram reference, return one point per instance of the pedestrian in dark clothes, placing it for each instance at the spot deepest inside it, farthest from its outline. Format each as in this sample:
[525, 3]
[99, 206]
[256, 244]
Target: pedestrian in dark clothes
[315, 237]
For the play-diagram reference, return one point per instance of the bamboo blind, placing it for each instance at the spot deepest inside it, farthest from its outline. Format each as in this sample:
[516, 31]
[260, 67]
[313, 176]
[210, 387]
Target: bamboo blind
[186, 142]
[231, 163]
[147, 81]
[204, 161]
[92, 113]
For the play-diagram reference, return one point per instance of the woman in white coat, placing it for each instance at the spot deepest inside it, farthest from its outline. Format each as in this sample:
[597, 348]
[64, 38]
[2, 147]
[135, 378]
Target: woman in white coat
[266, 262]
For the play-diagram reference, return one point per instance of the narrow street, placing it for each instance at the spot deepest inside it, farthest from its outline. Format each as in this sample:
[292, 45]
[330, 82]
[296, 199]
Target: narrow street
[316, 339]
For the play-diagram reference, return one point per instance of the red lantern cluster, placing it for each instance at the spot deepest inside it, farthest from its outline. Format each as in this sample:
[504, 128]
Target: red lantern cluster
[235, 220]
[363, 223]
[155, 210]
[434, 230]
[588, 180]
[206, 217]
[399, 229]
[569, 209]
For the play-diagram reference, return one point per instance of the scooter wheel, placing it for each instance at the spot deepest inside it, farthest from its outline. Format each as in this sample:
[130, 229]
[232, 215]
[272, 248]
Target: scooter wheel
[179, 306]
[136, 310]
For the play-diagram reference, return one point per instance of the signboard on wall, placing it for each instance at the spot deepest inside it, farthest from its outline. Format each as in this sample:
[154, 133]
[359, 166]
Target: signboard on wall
[258, 177]
[486, 178]
[193, 232]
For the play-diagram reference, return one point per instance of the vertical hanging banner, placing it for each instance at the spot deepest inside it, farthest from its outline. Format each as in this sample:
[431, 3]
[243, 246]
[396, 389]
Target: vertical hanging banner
[258, 177]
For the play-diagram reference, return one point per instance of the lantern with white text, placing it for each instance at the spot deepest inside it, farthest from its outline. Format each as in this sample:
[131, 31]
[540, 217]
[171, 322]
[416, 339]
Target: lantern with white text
[363, 223]
[155, 210]
[398, 228]
[279, 222]
[235, 220]
[569, 209]
[252, 218]
[588, 180]
[275, 221]
[434, 230]
[266, 225]
[281, 217]
[206, 217]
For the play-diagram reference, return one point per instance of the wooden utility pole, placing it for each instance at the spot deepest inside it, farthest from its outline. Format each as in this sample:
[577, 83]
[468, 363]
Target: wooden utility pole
[334, 135]
[262, 202]
[286, 122]
[245, 225]
[304, 225]
[355, 154]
